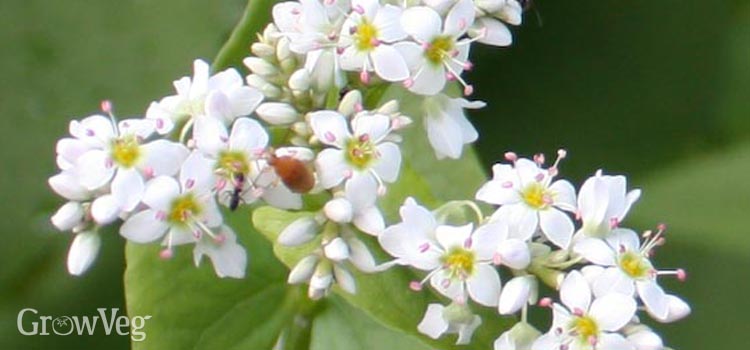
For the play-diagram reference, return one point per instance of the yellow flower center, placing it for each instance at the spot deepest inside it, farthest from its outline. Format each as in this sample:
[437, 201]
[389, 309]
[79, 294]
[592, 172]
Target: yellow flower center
[360, 152]
[585, 327]
[459, 262]
[439, 49]
[536, 195]
[182, 209]
[634, 265]
[232, 162]
[126, 151]
[366, 36]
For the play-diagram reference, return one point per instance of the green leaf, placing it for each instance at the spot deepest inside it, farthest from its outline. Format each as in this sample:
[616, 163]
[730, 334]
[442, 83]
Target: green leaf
[193, 308]
[340, 318]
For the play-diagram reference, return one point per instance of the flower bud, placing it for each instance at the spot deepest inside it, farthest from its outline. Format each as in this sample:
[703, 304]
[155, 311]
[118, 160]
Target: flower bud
[339, 210]
[68, 216]
[490, 6]
[303, 271]
[300, 80]
[521, 336]
[83, 252]
[260, 66]
[389, 107]
[336, 250]
[298, 232]
[345, 279]
[516, 293]
[277, 113]
[262, 50]
[321, 280]
[282, 49]
[351, 101]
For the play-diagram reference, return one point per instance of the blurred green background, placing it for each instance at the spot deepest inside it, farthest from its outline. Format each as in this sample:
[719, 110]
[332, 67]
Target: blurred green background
[658, 90]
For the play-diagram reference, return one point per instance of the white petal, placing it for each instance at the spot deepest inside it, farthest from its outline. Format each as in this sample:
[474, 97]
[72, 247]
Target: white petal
[430, 81]
[370, 221]
[678, 309]
[575, 292]
[515, 294]
[105, 209]
[196, 174]
[546, 342]
[486, 239]
[217, 106]
[281, 197]
[624, 238]
[339, 210]
[164, 157]
[160, 192]
[614, 342]
[484, 286]
[228, 257]
[444, 135]
[143, 227]
[375, 126]
[361, 191]
[556, 226]
[613, 311]
[388, 22]
[247, 135]
[389, 162]
[646, 340]
[496, 33]
[613, 280]
[69, 149]
[433, 324]
[422, 23]
[459, 18]
[331, 167]
[142, 128]
[210, 135]
[68, 216]
[654, 298]
[595, 251]
[454, 236]
[564, 195]
[95, 169]
[127, 189]
[389, 64]
[330, 128]
[244, 100]
[67, 185]
[83, 251]
[514, 253]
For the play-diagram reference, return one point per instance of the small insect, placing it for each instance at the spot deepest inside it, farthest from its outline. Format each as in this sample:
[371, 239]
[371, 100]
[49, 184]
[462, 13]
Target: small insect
[294, 173]
[236, 195]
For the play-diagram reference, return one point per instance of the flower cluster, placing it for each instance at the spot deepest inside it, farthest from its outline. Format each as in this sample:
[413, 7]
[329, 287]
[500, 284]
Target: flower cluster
[303, 131]
[603, 272]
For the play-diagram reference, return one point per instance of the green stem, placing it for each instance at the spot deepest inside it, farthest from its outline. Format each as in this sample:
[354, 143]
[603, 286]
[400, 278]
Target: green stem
[257, 14]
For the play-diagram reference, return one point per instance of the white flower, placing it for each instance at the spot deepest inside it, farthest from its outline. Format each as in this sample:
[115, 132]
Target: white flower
[529, 199]
[83, 251]
[603, 203]
[627, 268]
[185, 210]
[362, 152]
[358, 206]
[520, 337]
[238, 160]
[490, 29]
[459, 259]
[228, 257]
[456, 318]
[583, 324]
[448, 130]
[365, 41]
[113, 158]
[439, 53]
[222, 96]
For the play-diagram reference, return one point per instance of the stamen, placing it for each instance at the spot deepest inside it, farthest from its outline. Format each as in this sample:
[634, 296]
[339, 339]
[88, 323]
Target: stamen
[424, 247]
[106, 106]
[415, 286]
[511, 156]
[546, 302]
[166, 254]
